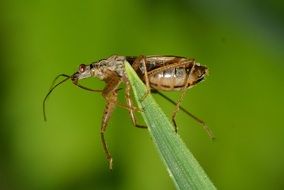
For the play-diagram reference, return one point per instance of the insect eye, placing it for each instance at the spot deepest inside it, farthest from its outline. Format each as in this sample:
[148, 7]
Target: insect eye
[82, 68]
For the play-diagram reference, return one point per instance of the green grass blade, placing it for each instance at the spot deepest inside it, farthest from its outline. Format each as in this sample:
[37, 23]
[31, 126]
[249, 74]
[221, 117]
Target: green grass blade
[183, 168]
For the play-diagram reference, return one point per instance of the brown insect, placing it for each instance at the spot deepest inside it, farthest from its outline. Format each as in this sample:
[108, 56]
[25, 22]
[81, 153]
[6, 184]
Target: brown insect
[165, 73]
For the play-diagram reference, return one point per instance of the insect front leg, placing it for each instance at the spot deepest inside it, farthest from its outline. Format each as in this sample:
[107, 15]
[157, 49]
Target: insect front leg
[110, 94]
[110, 105]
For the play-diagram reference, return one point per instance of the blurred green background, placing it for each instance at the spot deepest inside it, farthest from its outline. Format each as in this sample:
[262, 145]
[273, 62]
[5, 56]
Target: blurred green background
[241, 42]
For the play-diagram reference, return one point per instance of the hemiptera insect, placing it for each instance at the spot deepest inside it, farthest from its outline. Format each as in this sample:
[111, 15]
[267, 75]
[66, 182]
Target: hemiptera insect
[165, 73]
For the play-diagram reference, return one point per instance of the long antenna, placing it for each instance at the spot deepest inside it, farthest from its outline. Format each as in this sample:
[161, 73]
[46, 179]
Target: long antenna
[57, 77]
[51, 89]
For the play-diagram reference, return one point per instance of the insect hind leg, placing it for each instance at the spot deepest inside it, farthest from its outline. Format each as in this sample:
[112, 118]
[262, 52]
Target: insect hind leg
[198, 120]
[177, 109]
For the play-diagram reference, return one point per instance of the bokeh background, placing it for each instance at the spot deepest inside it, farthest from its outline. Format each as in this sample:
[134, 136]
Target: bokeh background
[241, 41]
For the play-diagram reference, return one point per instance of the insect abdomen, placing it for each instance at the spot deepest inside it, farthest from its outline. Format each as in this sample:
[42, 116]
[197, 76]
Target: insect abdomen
[170, 79]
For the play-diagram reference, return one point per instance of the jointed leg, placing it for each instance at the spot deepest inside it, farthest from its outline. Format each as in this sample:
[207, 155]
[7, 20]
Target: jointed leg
[146, 79]
[201, 122]
[110, 95]
[177, 109]
[181, 98]
[186, 81]
[118, 104]
[129, 104]
[205, 127]
[106, 116]
[136, 65]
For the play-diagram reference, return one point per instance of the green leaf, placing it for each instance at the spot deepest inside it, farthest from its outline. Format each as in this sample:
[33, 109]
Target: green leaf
[183, 168]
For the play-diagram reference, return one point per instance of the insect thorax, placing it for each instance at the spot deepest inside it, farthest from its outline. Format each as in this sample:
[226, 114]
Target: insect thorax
[114, 63]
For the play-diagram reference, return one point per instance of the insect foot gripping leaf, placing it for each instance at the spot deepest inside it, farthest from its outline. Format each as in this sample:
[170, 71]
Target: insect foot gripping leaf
[183, 168]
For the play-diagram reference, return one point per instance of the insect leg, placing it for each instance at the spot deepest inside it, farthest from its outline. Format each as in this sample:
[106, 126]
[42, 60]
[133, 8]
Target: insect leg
[129, 104]
[183, 91]
[136, 65]
[110, 94]
[198, 120]
[110, 105]
[177, 109]
[118, 104]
